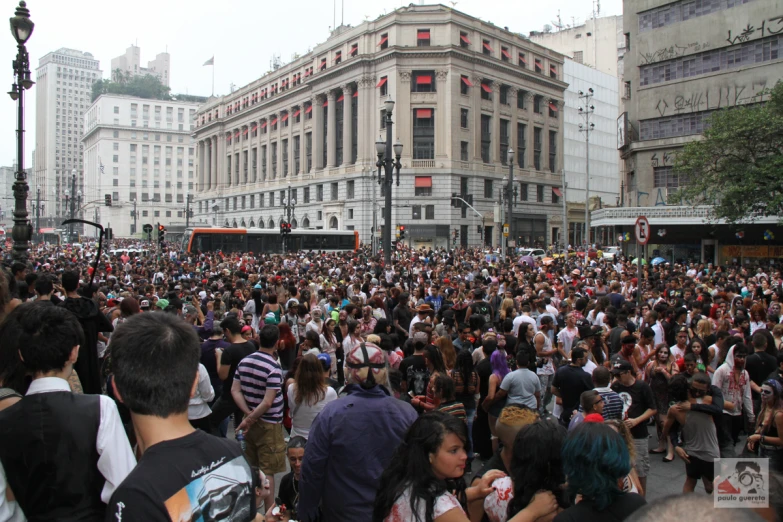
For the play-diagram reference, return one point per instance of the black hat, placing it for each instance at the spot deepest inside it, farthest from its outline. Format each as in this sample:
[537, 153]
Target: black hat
[622, 366]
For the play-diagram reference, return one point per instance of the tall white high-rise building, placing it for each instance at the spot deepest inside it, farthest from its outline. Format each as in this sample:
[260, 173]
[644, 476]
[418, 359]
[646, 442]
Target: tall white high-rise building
[64, 81]
[139, 152]
[130, 65]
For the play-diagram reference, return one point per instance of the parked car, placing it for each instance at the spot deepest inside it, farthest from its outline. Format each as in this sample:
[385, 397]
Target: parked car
[537, 253]
[611, 252]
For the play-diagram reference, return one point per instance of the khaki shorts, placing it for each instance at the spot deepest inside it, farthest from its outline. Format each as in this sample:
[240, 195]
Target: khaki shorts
[642, 463]
[265, 447]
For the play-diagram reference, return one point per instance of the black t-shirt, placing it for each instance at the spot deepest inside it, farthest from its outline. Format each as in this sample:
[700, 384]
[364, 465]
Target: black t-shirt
[483, 370]
[759, 366]
[494, 462]
[231, 357]
[482, 309]
[195, 477]
[571, 381]
[637, 399]
[619, 510]
[414, 371]
[403, 316]
[289, 493]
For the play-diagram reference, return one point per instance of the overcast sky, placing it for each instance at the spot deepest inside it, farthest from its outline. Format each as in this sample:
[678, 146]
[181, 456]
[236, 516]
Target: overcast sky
[243, 35]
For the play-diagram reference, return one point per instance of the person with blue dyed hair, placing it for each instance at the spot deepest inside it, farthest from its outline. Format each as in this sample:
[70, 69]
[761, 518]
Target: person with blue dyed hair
[595, 460]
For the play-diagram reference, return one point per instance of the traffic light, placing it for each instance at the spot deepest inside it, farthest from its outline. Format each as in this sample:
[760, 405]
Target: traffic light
[285, 229]
[288, 228]
[161, 234]
[402, 231]
[282, 228]
[394, 245]
[456, 203]
[456, 234]
[108, 200]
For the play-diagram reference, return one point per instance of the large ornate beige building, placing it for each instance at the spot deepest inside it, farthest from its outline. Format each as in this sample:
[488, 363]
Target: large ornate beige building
[466, 92]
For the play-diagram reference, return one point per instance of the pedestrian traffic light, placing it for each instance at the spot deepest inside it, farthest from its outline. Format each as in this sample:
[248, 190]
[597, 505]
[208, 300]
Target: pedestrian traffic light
[161, 234]
[402, 231]
[108, 200]
[288, 228]
[282, 228]
[456, 203]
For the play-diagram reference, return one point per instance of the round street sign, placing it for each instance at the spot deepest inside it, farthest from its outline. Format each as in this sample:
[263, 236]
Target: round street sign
[642, 230]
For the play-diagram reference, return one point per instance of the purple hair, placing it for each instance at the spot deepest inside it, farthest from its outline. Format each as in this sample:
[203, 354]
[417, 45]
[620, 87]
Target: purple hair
[498, 363]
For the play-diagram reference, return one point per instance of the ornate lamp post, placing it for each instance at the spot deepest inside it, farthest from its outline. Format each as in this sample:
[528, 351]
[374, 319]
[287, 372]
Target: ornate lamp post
[386, 167]
[22, 29]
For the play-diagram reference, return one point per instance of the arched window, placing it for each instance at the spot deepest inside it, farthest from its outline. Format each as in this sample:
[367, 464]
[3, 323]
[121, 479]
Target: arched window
[227, 225]
[234, 224]
[333, 223]
[252, 223]
[271, 223]
[306, 223]
[242, 223]
[293, 223]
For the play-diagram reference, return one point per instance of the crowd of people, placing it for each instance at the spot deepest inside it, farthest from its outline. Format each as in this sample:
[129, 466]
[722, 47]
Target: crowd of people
[450, 386]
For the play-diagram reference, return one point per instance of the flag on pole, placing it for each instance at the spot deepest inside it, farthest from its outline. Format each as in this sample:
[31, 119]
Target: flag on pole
[101, 164]
[211, 61]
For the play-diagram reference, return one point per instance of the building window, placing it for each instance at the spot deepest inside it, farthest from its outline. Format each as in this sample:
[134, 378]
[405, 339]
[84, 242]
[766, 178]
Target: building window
[540, 193]
[429, 212]
[537, 132]
[552, 108]
[307, 194]
[335, 191]
[521, 144]
[464, 41]
[626, 90]
[505, 137]
[284, 150]
[579, 56]
[383, 119]
[486, 48]
[555, 197]
[263, 162]
[423, 186]
[338, 57]
[486, 90]
[424, 134]
[354, 49]
[423, 81]
[504, 95]
[521, 99]
[463, 150]
[522, 61]
[297, 155]
[464, 85]
[383, 86]
[350, 189]
[319, 192]
[552, 71]
[416, 212]
[463, 118]
[539, 65]
[384, 41]
[665, 177]
[422, 37]
[274, 160]
[486, 135]
[537, 99]
[488, 188]
[552, 151]
[308, 151]
[673, 126]
[523, 191]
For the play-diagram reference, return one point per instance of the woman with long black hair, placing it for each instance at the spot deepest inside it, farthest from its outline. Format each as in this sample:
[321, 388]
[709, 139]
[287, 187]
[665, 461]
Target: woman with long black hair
[424, 482]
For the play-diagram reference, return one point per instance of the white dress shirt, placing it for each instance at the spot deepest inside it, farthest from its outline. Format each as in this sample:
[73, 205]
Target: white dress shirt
[115, 459]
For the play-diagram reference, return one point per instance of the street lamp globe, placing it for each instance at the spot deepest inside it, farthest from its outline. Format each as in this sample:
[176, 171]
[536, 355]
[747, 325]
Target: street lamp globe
[389, 105]
[21, 25]
[397, 147]
[511, 156]
[73, 172]
[380, 145]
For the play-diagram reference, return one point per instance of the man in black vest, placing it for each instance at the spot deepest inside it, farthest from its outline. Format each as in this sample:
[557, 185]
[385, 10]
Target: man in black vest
[62, 455]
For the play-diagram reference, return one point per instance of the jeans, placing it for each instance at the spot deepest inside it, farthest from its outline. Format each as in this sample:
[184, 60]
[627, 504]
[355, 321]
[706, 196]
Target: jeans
[470, 415]
[546, 390]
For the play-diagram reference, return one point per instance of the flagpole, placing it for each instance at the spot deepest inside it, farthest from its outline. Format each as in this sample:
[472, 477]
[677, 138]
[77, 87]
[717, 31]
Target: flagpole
[213, 76]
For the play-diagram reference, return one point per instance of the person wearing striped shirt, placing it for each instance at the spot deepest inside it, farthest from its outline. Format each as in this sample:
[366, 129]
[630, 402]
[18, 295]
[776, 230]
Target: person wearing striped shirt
[257, 391]
[613, 404]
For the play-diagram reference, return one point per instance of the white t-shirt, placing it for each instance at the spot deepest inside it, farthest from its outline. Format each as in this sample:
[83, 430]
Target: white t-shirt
[567, 337]
[303, 415]
[676, 352]
[401, 510]
[523, 319]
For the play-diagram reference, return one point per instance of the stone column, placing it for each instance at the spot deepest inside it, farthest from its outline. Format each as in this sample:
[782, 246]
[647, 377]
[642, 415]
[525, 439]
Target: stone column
[495, 145]
[331, 132]
[347, 122]
[301, 131]
[512, 132]
[442, 114]
[201, 155]
[402, 115]
[213, 168]
[366, 121]
[529, 97]
[318, 132]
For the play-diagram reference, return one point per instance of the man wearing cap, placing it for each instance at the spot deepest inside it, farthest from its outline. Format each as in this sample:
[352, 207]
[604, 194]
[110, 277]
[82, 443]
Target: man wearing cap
[193, 314]
[352, 441]
[638, 408]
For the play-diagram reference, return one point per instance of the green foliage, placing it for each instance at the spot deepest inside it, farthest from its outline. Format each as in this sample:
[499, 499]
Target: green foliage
[147, 86]
[737, 166]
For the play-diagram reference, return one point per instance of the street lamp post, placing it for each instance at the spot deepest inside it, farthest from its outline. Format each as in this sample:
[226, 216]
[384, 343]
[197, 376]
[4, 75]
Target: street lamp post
[509, 193]
[289, 204]
[38, 214]
[586, 112]
[22, 29]
[386, 166]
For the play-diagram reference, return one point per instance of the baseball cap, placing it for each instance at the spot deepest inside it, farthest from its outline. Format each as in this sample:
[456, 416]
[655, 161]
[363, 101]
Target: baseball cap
[246, 329]
[326, 360]
[622, 367]
[190, 309]
[162, 304]
[144, 304]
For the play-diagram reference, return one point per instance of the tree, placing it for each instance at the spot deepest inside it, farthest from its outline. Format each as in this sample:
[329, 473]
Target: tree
[147, 86]
[736, 167]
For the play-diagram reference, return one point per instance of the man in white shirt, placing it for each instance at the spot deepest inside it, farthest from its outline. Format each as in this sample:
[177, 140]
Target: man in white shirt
[524, 317]
[80, 436]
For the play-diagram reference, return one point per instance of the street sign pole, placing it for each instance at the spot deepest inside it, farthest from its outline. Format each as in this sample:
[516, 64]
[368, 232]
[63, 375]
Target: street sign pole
[642, 232]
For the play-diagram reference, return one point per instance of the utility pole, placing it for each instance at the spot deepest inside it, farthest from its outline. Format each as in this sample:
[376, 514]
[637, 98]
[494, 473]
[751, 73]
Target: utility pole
[134, 217]
[386, 166]
[586, 112]
[564, 234]
[187, 210]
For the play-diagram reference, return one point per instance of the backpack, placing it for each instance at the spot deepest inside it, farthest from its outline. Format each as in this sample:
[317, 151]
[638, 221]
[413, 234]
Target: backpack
[481, 309]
